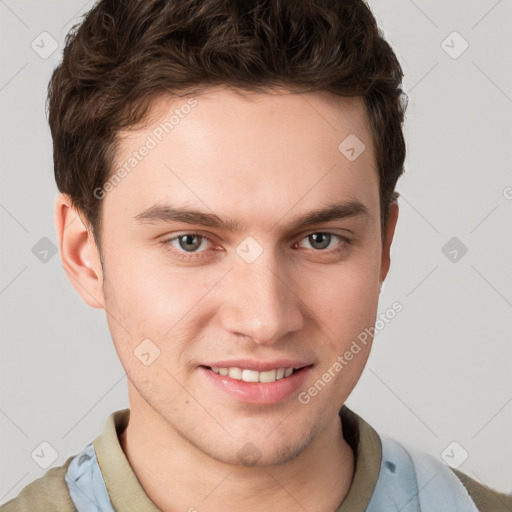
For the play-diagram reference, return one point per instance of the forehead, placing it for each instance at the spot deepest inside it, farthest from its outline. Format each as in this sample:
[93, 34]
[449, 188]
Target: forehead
[242, 154]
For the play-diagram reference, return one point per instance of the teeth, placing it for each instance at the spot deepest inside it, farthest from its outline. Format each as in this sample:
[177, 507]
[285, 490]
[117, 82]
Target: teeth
[252, 375]
[268, 376]
[235, 373]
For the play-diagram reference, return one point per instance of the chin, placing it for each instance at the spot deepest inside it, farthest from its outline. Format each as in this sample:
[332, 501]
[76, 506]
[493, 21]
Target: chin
[263, 451]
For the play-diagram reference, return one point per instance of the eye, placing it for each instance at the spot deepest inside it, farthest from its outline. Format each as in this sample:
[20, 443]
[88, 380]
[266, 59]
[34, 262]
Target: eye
[321, 241]
[186, 243]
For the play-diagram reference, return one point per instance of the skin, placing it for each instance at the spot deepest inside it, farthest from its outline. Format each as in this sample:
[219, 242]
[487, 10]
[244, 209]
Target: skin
[263, 159]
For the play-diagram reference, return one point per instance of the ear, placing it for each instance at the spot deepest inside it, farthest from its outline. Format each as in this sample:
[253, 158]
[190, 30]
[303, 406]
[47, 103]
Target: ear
[79, 254]
[387, 239]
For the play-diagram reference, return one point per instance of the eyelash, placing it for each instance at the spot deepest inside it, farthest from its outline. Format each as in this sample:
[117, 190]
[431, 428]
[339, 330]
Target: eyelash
[190, 256]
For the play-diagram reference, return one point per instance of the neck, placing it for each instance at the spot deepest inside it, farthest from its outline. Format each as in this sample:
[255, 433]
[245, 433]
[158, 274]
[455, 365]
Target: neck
[177, 476]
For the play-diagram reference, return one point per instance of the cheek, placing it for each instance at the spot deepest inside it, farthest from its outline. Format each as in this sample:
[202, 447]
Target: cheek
[345, 309]
[153, 301]
[147, 290]
[345, 297]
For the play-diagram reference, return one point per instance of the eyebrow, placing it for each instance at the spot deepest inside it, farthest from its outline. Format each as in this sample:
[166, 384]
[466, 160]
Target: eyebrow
[167, 213]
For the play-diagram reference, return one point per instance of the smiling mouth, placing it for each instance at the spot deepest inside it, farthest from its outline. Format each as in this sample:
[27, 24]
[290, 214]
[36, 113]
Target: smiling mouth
[254, 376]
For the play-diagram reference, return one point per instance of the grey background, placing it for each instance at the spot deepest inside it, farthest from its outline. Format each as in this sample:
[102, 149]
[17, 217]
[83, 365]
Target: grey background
[439, 372]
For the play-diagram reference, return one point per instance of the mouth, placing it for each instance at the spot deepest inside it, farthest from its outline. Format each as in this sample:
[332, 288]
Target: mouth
[246, 385]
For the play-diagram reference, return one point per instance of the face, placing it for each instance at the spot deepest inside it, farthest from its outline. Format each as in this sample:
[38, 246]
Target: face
[255, 282]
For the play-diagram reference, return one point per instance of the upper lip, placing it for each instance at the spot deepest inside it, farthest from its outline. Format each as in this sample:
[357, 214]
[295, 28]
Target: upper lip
[259, 366]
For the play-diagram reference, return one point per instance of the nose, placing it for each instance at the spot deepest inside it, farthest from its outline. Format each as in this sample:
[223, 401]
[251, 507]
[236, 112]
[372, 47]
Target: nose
[259, 302]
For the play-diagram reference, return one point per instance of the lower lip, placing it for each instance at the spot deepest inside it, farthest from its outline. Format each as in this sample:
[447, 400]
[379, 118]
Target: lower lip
[257, 392]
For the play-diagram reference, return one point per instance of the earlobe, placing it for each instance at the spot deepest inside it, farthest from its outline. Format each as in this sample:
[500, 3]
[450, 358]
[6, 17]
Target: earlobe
[387, 239]
[79, 254]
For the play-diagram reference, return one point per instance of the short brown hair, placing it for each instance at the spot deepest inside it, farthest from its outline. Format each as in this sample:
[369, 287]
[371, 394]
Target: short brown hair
[126, 52]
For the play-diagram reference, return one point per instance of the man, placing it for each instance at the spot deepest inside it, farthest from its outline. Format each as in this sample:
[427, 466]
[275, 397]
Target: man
[227, 179]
